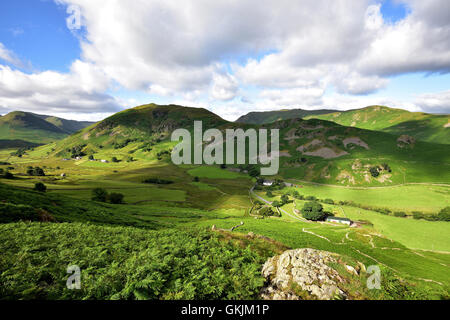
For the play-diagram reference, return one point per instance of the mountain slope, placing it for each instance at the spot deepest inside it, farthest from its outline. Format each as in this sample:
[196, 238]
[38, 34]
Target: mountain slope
[68, 126]
[36, 128]
[145, 125]
[422, 126]
[325, 152]
[313, 150]
[272, 116]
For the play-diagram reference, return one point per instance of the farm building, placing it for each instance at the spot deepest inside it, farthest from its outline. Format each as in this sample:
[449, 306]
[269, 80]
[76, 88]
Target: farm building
[340, 220]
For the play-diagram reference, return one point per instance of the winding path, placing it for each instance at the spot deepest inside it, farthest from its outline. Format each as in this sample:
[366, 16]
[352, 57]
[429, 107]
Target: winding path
[252, 192]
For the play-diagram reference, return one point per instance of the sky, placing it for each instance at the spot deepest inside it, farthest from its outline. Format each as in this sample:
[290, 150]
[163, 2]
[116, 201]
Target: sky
[87, 59]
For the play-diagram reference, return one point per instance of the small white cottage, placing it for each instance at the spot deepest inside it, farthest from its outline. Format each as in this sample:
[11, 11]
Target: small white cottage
[340, 220]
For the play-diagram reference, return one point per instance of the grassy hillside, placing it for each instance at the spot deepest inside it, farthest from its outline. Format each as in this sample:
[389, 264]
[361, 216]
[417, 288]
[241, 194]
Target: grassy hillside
[142, 127]
[312, 150]
[422, 126]
[145, 247]
[324, 152]
[272, 116]
[136, 263]
[68, 126]
[36, 128]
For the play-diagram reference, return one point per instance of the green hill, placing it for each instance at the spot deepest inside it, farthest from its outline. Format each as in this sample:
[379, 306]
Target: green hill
[145, 125]
[272, 116]
[325, 152]
[311, 150]
[68, 126]
[422, 126]
[36, 128]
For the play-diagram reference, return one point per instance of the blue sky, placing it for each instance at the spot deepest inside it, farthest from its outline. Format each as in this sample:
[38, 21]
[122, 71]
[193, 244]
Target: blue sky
[218, 72]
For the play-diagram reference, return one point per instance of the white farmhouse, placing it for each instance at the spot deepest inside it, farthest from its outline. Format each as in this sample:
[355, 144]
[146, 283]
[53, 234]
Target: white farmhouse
[340, 220]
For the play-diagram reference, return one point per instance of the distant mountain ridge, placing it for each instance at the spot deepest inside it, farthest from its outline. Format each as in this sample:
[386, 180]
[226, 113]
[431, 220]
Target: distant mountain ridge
[36, 128]
[265, 117]
[422, 126]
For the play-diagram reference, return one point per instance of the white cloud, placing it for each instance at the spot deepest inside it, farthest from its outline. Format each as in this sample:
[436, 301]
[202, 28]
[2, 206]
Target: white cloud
[434, 102]
[80, 91]
[9, 56]
[227, 53]
[225, 87]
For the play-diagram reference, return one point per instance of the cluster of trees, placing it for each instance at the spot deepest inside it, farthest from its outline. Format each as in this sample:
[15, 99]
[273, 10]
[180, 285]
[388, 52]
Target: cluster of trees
[313, 211]
[161, 154]
[36, 171]
[157, 181]
[147, 147]
[6, 174]
[252, 170]
[443, 215]
[123, 144]
[76, 151]
[263, 210]
[283, 200]
[21, 151]
[101, 195]
[376, 170]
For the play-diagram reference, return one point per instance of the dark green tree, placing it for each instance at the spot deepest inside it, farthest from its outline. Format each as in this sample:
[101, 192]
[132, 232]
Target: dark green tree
[313, 211]
[116, 198]
[99, 194]
[40, 187]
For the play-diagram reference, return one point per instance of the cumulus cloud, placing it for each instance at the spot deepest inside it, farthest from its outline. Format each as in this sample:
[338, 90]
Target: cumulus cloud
[79, 91]
[225, 87]
[229, 53]
[434, 102]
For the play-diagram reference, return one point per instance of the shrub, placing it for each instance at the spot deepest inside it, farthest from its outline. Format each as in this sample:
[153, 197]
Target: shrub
[311, 198]
[444, 214]
[313, 210]
[99, 194]
[269, 194]
[36, 172]
[124, 263]
[8, 175]
[328, 201]
[400, 214]
[374, 171]
[114, 159]
[277, 204]
[116, 198]
[418, 215]
[196, 179]
[284, 198]
[40, 187]
[157, 181]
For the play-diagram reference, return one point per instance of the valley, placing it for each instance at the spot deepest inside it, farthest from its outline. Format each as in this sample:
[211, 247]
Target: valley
[149, 245]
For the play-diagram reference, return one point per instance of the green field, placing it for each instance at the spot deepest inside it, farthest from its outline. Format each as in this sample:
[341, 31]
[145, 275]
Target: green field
[424, 198]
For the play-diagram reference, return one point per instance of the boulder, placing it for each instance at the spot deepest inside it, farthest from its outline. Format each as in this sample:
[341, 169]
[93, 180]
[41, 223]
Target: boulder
[307, 269]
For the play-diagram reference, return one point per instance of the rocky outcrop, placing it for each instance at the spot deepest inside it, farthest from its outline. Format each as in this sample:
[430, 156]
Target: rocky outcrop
[302, 274]
[405, 141]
